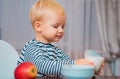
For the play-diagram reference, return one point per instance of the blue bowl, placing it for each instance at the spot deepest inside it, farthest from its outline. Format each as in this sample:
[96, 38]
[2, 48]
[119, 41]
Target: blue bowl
[77, 71]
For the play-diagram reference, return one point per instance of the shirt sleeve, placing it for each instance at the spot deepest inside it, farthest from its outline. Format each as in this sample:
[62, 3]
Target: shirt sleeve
[44, 64]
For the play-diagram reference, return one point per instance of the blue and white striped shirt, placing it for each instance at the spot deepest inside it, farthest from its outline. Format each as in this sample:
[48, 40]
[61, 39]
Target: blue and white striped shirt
[46, 57]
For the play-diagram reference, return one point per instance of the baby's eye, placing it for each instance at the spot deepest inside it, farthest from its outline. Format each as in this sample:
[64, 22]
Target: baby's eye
[55, 26]
[63, 27]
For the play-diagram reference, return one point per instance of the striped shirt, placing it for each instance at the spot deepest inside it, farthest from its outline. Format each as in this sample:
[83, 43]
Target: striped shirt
[46, 57]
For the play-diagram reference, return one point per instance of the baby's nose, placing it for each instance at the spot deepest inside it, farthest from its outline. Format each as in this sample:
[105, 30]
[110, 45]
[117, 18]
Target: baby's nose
[61, 30]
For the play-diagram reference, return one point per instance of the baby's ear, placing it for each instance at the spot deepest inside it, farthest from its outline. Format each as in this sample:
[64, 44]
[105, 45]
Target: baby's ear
[37, 26]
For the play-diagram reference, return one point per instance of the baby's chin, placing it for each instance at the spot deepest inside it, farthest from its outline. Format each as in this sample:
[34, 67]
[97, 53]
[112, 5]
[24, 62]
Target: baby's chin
[57, 40]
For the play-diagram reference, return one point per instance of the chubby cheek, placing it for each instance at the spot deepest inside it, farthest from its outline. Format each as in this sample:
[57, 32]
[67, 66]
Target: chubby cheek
[53, 36]
[49, 36]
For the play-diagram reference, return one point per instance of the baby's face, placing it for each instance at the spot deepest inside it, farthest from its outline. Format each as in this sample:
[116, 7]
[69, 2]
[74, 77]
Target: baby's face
[52, 26]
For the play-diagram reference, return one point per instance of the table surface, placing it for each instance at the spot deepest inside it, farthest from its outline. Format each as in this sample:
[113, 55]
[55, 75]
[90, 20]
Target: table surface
[96, 77]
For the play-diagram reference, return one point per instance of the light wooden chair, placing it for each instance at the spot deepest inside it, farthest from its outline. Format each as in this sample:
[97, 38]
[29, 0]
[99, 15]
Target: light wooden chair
[8, 60]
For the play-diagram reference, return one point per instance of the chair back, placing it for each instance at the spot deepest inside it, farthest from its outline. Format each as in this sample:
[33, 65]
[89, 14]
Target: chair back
[8, 60]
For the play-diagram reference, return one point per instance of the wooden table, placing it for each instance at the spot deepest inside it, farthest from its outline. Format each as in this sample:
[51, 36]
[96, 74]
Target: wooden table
[106, 77]
[96, 77]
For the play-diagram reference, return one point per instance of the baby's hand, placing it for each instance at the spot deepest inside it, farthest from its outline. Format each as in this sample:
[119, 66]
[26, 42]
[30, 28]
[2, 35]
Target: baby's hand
[84, 62]
[101, 68]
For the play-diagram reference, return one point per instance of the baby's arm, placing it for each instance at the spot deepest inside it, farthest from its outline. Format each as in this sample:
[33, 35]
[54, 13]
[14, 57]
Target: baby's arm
[84, 62]
[45, 64]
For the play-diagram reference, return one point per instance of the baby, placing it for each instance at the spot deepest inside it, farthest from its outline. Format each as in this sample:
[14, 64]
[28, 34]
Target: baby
[48, 20]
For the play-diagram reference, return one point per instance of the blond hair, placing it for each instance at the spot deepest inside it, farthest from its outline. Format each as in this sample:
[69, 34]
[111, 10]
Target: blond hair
[40, 8]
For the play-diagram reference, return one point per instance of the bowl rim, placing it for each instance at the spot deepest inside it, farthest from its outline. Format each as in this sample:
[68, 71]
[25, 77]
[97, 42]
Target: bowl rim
[82, 67]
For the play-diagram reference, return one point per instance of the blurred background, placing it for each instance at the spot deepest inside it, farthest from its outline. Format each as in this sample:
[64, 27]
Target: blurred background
[91, 24]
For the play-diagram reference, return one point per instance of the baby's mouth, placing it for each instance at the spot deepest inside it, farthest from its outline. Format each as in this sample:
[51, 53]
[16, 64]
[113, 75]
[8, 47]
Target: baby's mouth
[59, 36]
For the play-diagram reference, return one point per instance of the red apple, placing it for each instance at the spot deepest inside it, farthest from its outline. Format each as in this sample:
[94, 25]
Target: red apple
[25, 70]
